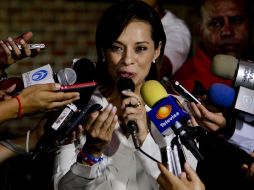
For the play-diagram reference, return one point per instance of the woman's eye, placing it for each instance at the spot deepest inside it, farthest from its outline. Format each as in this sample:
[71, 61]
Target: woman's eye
[140, 49]
[116, 48]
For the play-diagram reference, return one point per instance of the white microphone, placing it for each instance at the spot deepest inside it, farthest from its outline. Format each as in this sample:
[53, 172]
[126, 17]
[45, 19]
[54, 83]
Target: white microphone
[229, 67]
[45, 74]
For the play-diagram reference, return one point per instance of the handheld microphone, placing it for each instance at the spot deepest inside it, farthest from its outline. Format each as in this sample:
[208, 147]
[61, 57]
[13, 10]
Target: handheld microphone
[167, 114]
[228, 67]
[128, 84]
[221, 95]
[63, 122]
[45, 75]
[85, 71]
[42, 75]
[241, 100]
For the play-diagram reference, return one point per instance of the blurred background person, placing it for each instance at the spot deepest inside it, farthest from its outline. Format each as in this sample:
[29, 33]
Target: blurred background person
[178, 40]
[224, 29]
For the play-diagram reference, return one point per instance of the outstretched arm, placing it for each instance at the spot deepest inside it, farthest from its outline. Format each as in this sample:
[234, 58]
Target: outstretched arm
[10, 53]
[35, 99]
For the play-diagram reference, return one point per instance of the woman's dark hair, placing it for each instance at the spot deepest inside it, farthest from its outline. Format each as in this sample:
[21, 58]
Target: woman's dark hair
[114, 20]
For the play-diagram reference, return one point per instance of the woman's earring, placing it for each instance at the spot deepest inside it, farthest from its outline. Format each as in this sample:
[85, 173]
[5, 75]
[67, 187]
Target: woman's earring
[154, 61]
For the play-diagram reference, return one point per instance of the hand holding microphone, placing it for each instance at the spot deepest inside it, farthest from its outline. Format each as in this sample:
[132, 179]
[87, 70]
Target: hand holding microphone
[38, 96]
[228, 67]
[135, 117]
[167, 114]
[134, 112]
[15, 49]
[35, 99]
[41, 75]
[223, 97]
[43, 97]
[62, 123]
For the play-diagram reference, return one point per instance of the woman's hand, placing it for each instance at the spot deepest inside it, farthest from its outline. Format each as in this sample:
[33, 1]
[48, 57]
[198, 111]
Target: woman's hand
[206, 119]
[43, 97]
[134, 110]
[188, 180]
[75, 135]
[99, 128]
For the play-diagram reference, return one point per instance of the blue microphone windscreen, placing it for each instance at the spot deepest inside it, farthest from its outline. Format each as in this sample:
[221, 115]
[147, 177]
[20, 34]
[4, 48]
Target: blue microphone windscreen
[221, 95]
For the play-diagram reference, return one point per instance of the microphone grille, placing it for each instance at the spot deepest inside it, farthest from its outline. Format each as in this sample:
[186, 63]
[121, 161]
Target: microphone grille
[221, 95]
[224, 66]
[125, 84]
[152, 91]
[67, 76]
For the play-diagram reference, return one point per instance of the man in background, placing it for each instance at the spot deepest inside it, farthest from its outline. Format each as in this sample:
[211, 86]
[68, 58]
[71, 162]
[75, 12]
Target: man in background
[224, 29]
[178, 40]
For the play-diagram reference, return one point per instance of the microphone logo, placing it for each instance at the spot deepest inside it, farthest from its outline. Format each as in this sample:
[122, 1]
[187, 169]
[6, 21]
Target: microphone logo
[248, 102]
[39, 75]
[245, 101]
[164, 112]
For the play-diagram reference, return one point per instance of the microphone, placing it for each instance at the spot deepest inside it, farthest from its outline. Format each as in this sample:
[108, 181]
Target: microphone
[62, 123]
[241, 101]
[167, 114]
[85, 71]
[127, 84]
[228, 67]
[45, 75]
[218, 90]
[229, 102]
[42, 75]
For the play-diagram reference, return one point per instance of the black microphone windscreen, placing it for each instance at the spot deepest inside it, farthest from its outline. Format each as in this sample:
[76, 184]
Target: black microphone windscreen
[128, 84]
[86, 72]
[125, 84]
